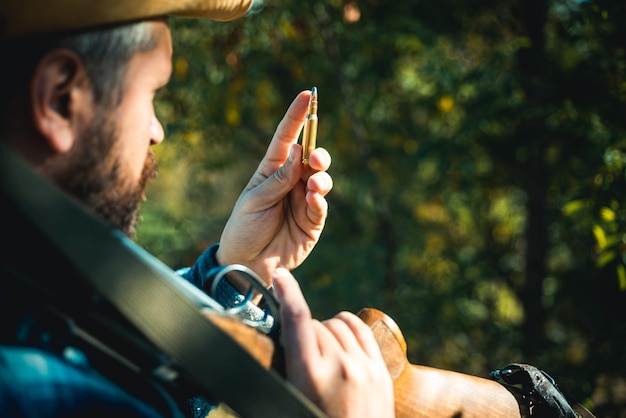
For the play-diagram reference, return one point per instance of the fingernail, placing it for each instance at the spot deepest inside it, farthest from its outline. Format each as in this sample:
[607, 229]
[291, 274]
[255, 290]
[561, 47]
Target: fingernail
[281, 273]
[277, 282]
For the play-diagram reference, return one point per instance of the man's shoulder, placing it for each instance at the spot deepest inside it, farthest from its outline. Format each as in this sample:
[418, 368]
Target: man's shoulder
[60, 385]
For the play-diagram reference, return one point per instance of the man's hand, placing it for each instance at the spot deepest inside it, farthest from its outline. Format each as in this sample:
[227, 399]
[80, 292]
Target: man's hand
[336, 363]
[279, 216]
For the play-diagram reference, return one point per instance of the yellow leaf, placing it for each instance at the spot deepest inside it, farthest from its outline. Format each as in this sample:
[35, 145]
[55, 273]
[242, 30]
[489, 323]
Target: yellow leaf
[446, 104]
[607, 214]
[573, 207]
[605, 258]
[598, 232]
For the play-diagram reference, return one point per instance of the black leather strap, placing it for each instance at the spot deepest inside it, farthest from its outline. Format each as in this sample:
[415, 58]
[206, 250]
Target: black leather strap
[163, 313]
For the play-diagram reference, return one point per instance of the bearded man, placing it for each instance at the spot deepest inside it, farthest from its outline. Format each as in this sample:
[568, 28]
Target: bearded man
[77, 108]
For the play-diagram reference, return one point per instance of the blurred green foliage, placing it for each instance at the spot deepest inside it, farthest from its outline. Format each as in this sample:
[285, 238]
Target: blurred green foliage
[479, 156]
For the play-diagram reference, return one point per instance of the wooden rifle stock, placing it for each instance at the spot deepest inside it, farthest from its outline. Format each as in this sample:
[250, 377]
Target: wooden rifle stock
[420, 391]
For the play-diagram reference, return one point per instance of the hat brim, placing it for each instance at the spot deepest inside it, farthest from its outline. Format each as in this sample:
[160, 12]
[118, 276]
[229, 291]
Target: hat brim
[29, 17]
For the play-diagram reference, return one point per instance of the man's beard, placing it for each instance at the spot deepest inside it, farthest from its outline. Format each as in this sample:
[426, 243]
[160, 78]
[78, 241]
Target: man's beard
[93, 174]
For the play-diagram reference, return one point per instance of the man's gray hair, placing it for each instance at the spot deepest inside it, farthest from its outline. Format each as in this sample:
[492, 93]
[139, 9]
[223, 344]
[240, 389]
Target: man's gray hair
[105, 52]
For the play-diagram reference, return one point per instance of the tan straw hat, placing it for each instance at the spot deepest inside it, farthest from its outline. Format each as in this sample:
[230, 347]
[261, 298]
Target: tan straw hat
[28, 17]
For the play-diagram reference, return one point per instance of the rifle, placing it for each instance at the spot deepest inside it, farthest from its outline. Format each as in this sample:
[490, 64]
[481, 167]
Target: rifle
[419, 391]
[170, 339]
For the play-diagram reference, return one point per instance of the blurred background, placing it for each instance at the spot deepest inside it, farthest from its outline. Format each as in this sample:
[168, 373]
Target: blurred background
[479, 155]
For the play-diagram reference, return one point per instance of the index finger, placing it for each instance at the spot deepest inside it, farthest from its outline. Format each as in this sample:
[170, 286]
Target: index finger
[286, 133]
[298, 331]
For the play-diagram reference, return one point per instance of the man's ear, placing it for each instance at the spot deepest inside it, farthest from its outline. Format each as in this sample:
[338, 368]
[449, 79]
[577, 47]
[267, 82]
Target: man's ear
[61, 98]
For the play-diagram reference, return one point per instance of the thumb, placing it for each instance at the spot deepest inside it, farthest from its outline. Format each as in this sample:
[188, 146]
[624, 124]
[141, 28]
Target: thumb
[298, 331]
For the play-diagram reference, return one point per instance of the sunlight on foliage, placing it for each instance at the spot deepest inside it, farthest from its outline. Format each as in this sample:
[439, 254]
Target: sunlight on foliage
[479, 175]
[600, 235]
[445, 104]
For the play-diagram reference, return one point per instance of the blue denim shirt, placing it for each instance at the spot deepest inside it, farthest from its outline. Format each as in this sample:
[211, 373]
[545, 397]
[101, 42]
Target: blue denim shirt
[47, 379]
[36, 383]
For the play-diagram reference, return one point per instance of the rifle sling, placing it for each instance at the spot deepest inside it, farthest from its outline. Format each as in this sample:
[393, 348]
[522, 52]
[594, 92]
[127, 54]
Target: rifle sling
[146, 292]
